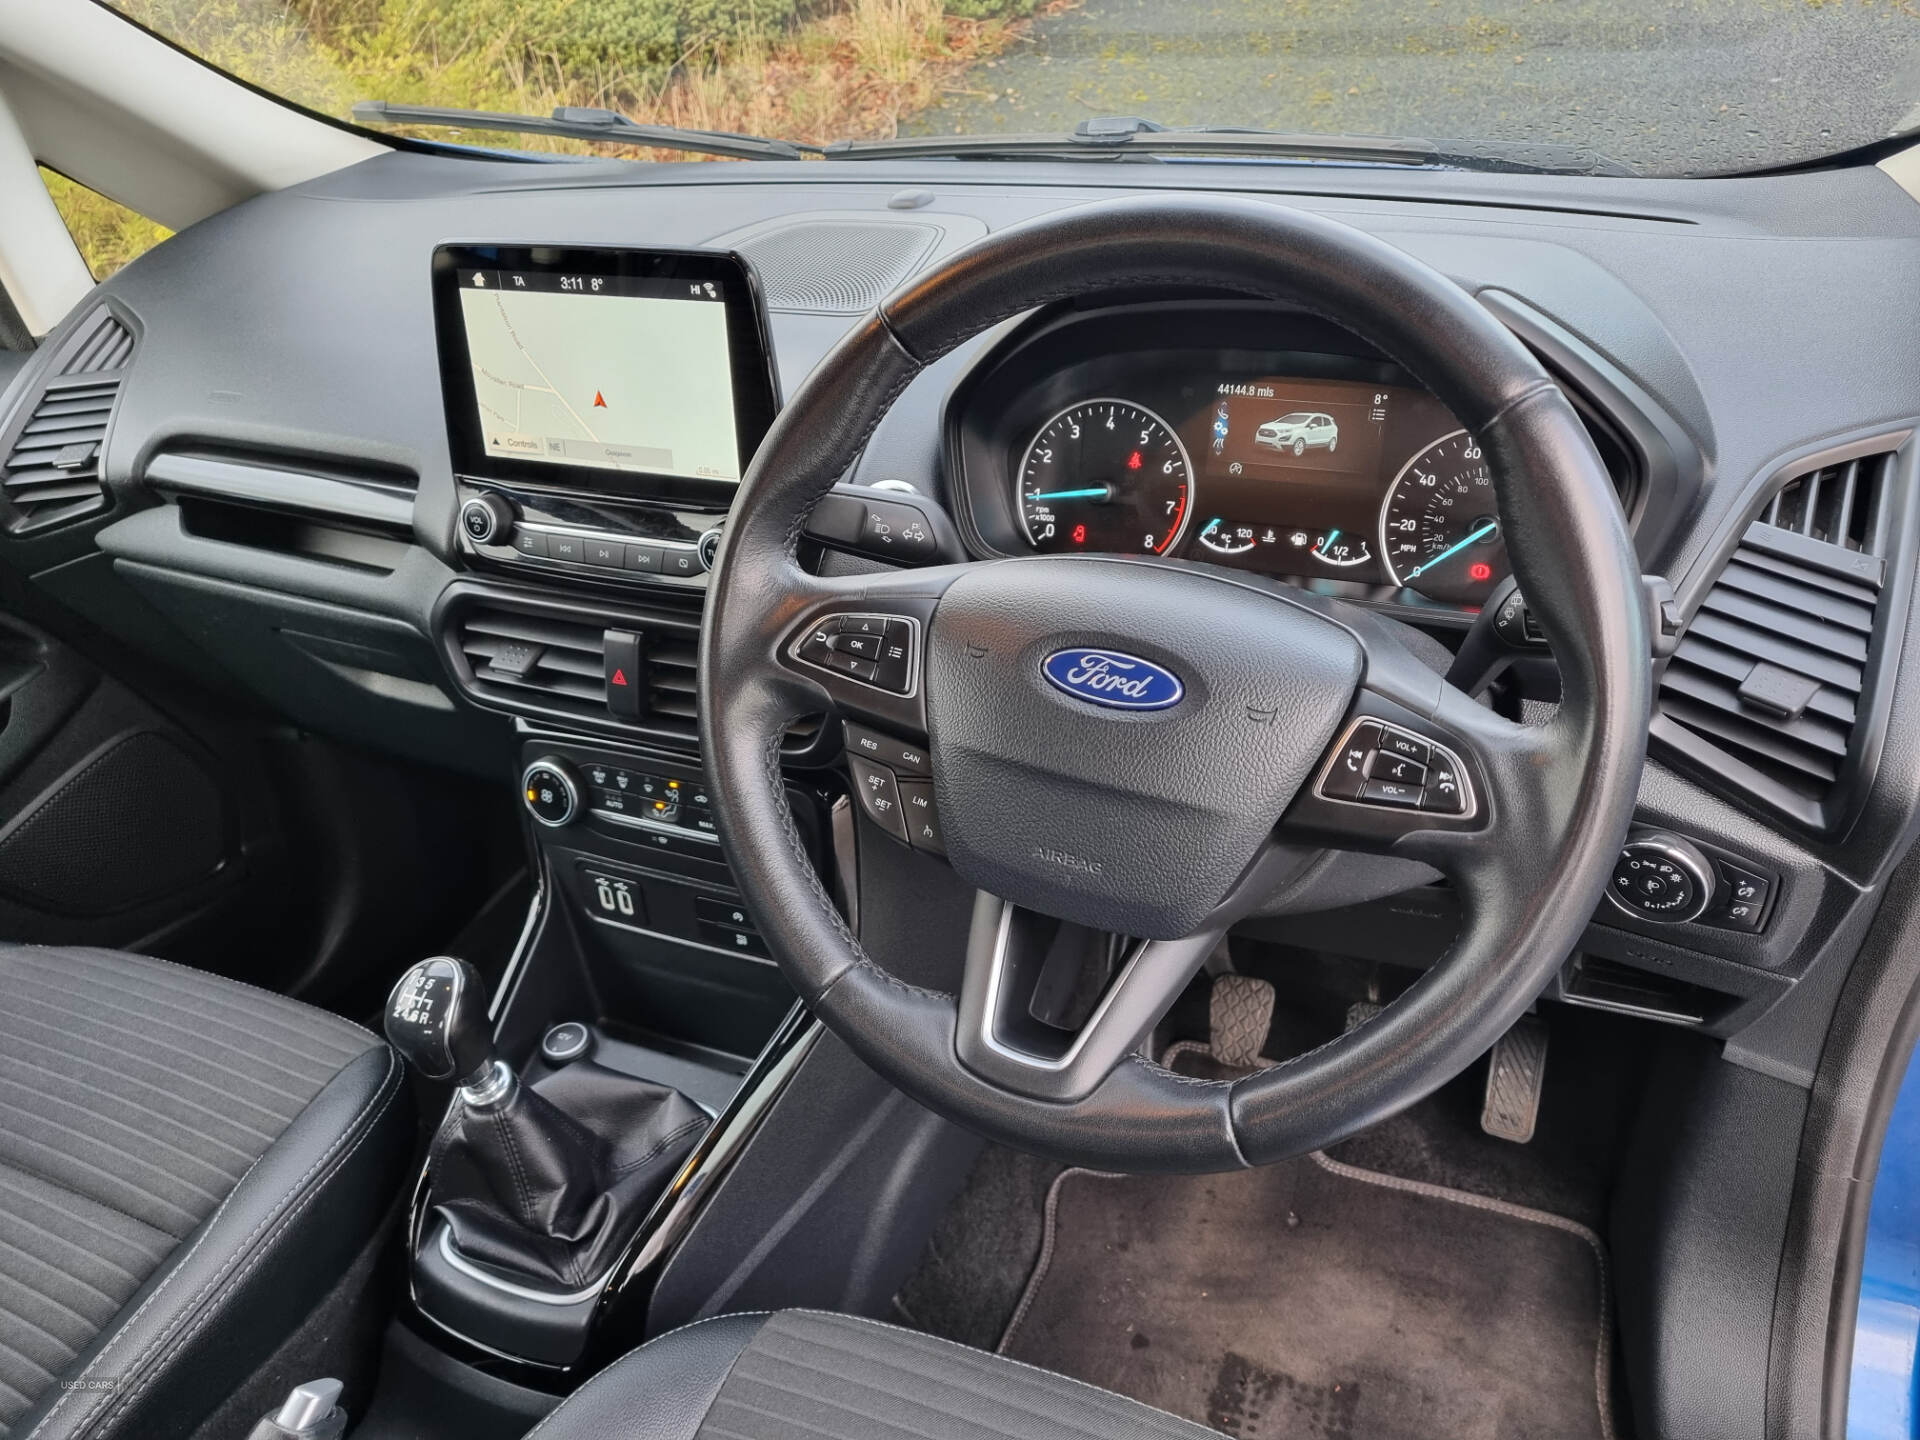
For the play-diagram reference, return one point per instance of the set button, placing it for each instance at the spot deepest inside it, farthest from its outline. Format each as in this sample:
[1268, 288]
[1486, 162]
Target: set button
[893, 781]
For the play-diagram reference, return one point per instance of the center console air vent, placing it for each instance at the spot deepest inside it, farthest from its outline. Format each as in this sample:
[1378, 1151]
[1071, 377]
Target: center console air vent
[630, 671]
[1768, 690]
[51, 474]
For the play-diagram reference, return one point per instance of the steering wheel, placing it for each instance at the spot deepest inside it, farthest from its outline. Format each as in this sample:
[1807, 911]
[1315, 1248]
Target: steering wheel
[1165, 798]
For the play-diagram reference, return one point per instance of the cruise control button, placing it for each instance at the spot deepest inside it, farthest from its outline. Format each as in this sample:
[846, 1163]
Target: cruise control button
[1388, 792]
[1387, 766]
[896, 755]
[1348, 774]
[923, 820]
[879, 794]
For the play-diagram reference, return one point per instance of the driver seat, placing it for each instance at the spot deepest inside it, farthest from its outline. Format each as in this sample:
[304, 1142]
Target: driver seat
[807, 1375]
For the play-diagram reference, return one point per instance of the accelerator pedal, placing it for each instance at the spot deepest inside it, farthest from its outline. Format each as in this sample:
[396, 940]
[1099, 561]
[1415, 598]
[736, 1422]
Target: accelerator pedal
[1240, 1014]
[1516, 1072]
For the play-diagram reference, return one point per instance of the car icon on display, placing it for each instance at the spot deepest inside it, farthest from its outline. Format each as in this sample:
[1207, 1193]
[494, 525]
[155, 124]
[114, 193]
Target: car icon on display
[1301, 431]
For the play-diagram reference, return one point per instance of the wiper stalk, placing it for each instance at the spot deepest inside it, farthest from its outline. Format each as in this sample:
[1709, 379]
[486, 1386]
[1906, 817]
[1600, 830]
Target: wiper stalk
[576, 122]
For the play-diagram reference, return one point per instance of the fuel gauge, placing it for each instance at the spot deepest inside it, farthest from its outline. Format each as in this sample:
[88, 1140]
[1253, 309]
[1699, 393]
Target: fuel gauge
[1341, 550]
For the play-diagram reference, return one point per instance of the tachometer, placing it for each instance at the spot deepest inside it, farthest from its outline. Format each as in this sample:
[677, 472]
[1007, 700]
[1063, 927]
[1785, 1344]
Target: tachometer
[1105, 475]
[1439, 530]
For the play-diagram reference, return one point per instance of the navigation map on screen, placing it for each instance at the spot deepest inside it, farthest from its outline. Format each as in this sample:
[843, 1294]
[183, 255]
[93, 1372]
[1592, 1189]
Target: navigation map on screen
[604, 371]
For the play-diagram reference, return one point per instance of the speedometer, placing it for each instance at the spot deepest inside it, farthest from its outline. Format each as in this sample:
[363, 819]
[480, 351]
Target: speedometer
[1105, 475]
[1439, 530]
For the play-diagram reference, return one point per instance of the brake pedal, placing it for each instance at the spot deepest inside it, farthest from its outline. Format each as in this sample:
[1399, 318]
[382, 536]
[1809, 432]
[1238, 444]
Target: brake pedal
[1240, 1012]
[1516, 1072]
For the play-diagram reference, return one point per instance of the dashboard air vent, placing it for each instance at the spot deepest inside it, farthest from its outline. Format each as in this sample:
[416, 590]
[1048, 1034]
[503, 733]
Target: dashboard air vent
[1772, 674]
[52, 474]
[548, 658]
[51, 471]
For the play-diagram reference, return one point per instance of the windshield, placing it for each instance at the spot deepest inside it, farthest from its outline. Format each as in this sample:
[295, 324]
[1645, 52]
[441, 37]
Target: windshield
[1658, 87]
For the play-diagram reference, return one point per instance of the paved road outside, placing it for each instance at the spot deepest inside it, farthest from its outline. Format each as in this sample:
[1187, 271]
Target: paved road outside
[1667, 86]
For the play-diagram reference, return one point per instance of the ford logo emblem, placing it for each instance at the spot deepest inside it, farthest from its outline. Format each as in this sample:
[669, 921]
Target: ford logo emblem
[1113, 679]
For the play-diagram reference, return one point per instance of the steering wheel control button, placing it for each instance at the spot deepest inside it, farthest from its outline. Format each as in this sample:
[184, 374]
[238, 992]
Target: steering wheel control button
[1403, 746]
[565, 1043]
[1661, 879]
[1347, 776]
[876, 650]
[1385, 766]
[1388, 792]
[896, 755]
[550, 793]
[1381, 764]
[923, 819]
[879, 794]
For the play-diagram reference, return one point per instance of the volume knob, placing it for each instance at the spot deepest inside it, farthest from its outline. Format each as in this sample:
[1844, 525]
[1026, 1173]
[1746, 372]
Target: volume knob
[486, 519]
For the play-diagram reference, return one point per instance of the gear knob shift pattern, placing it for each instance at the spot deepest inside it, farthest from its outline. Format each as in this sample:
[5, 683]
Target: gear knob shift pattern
[437, 1019]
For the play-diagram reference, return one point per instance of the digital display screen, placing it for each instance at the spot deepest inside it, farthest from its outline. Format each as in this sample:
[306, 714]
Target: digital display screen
[605, 372]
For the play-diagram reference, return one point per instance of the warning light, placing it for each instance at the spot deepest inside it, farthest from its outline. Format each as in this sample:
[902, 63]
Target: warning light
[619, 678]
[1479, 570]
[1133, 461]
[1079, 534]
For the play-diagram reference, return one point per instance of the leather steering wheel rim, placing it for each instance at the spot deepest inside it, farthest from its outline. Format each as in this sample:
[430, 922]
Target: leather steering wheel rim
[1557, 797]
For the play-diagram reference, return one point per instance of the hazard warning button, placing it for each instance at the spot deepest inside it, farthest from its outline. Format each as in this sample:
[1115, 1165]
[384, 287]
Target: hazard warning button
[626, 673]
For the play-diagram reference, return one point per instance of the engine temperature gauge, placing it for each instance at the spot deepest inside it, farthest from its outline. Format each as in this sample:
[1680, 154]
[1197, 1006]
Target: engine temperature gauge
[1339, 549]
[1224, 539]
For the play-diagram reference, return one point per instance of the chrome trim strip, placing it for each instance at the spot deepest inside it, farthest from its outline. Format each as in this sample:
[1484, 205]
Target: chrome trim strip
[507, 1287]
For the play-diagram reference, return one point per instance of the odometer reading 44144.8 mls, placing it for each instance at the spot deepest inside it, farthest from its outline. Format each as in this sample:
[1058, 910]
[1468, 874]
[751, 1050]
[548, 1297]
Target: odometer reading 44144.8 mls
[1105, 475]
[1439, 530]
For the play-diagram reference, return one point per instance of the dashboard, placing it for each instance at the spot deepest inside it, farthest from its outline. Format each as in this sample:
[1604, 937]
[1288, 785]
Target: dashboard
[1249, 437]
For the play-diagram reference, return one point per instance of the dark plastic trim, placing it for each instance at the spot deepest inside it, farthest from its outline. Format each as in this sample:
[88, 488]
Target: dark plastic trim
[1726, 775]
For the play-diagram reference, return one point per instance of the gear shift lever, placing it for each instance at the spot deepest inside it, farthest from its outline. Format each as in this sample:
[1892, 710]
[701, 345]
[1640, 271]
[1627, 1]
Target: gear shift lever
[437, 1019]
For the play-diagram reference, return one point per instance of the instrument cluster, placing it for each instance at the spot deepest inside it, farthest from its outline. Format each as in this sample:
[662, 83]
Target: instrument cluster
[1303, 457]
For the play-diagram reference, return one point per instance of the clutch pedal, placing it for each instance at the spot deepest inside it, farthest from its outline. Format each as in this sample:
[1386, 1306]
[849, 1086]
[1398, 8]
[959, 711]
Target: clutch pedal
[1516, 1071]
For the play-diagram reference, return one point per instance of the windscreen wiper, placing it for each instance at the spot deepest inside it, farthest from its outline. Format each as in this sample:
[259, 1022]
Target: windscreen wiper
[1120, 136]
[577, 122]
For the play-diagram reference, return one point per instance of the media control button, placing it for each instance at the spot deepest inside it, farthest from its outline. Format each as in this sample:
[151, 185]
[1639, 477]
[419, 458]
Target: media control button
[566, 547]
[530, 542]
[1404, 746]
[486, 519]
[1388, 792]
[681, 560]
[644, 558]
[879, 794]
[607, 554]
[1348, 775]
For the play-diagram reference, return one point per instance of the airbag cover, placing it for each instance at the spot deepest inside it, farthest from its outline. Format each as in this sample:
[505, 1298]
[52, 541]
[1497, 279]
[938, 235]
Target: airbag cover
[1133, 820]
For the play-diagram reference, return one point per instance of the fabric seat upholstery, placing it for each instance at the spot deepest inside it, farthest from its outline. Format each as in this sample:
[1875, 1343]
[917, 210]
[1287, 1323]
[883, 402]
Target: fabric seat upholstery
[187, 1165]
[804, 1375]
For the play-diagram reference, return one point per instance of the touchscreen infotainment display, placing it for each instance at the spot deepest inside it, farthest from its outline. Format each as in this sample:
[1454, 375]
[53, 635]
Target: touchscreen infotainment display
[595, 370]
[643, 372]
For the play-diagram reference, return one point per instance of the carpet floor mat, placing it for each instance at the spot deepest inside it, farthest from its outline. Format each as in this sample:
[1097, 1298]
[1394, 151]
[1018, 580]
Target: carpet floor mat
[1316, 1299]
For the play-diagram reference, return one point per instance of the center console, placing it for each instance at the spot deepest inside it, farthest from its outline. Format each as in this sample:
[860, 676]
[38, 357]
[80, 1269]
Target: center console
[659, 1129]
